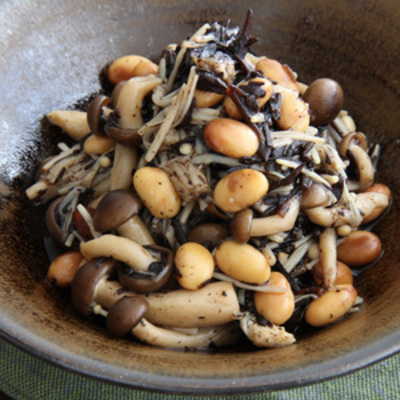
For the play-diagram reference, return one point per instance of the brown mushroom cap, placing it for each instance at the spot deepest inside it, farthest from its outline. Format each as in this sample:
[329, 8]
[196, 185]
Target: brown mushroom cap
[353, 138]
[125, 314]
[159, 272]
[127, 137]
[314, 196]
[94, 113]
[240, 225]
[51, 221]
[325, 98]
[208, 234]
[115, 208]
[85, 281]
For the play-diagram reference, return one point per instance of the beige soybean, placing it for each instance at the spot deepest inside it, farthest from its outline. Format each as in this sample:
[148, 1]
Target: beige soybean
[343, 274]
[359, 248]
[206, 99]
[332, 305]
[194, 265]
[294, 113]
[276, 307]
[231, 138]
[96, 144]
[230, 107]
[278, 72]
[127, 67]
[63, 269]
[242, 262]
[240, 190]
[157, 192]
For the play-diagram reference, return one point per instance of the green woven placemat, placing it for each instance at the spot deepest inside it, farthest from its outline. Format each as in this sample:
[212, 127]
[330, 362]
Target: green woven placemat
[24, 377]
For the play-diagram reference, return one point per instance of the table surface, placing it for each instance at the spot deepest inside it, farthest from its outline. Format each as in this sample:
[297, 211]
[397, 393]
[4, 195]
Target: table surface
[24, 377]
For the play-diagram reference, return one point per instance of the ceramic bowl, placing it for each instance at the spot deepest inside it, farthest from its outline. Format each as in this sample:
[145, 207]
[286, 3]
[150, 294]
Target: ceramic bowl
[51, 53]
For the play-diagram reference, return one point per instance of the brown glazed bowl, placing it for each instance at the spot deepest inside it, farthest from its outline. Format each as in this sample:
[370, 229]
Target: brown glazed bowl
[51, 53]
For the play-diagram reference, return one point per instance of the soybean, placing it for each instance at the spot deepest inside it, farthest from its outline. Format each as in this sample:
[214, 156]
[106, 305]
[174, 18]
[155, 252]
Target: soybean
[157, 192]
[242, 262]
[127, 67]
[276, 307]
[359, 248]
[331, 306]
[264, 84]
[240, 190]
[63, 269]
[294, 113]
[231, 138]
[343, 274]
[194, 264]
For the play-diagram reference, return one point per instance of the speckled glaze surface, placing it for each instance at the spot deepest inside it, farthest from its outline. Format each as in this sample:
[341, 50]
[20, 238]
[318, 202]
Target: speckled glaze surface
[50, 57]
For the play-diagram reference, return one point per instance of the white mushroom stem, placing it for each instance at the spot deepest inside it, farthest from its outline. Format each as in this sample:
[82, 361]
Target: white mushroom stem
[203, 337]
[328, 256]
[118, 248]
[135, 229]
[130, 100]
[73, 123]
[125, 160]
[270, 336]
[108, 292]
[364, 166]
[214, 304]
[276, 223]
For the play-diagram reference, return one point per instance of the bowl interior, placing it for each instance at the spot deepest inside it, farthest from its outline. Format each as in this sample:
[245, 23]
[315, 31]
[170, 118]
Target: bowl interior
[50, 57]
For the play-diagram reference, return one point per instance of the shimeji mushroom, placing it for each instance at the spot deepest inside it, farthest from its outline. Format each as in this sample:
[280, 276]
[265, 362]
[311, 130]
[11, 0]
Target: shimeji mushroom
[152, 263]
[269, 335]
[94, 292]
[354, 147]
[155, 278]
[365, 204]
[119, 209]
[243, 225]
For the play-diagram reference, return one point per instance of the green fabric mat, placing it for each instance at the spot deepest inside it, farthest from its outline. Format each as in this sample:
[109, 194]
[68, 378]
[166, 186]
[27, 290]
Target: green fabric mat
[26, 377]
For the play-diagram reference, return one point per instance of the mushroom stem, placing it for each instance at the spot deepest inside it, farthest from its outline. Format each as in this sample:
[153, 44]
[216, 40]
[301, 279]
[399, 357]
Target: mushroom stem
[214, 304]
[364, 166]
[327, 249]
[118, 248]
[341, 214]
[276, 223]
[135, 229]
[203, 338]
[125, 159]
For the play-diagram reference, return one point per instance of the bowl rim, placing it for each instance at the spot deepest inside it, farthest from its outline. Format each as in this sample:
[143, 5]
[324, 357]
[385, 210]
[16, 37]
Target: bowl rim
[39, 347]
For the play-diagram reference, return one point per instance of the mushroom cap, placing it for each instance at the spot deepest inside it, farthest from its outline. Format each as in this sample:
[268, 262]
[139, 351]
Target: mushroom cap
[240, 225]
[94, 113]
[325, 98]
[156, 279]
[85, 281]
[314, 196]
[125, 136]
[208, 234]
[125, 314]
[115, 208]
[353, 138]
[51, 221]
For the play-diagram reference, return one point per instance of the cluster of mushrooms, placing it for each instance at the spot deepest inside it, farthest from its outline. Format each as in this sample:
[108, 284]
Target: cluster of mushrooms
[211, 198]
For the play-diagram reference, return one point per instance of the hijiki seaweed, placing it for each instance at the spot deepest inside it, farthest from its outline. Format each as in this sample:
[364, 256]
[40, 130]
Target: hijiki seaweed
[217, 157]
